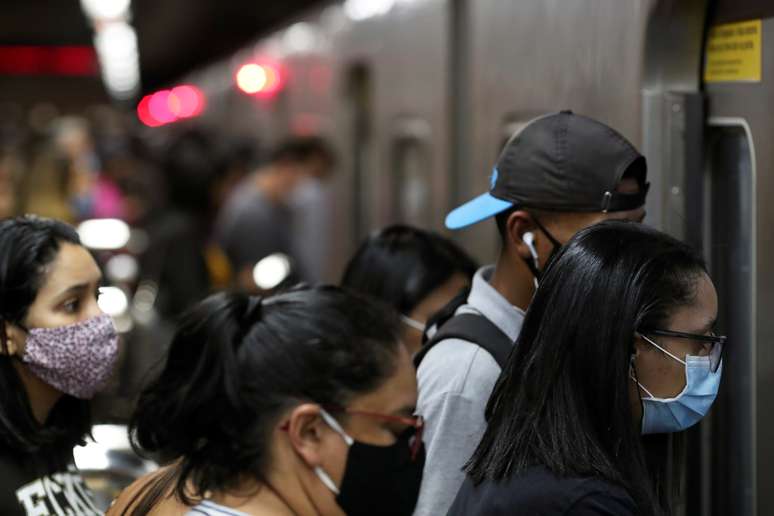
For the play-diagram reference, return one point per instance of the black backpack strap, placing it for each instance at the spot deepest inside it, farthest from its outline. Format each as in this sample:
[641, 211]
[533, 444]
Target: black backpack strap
[439, 318]
[474, 328]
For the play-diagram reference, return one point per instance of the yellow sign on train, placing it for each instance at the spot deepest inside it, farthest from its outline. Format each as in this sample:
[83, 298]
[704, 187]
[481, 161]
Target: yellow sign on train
[733, 53]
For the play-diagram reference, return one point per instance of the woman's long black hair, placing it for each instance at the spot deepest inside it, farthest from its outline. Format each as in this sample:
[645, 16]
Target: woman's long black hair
[27, 246]
[563, 401]
[237, 362]
[401, 265]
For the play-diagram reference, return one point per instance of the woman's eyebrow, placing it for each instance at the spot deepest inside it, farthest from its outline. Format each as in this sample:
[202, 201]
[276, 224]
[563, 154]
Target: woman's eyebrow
[74, 289]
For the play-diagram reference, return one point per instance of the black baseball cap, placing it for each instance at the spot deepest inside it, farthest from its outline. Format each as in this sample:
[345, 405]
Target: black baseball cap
[559, 162]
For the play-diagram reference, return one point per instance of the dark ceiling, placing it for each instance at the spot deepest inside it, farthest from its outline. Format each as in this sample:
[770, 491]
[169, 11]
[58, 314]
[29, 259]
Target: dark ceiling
[174, 36]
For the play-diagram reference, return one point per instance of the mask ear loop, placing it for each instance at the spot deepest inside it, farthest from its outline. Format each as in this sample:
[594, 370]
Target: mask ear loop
[634, 378]
[662, 349]
[331, 422]
[336, 427]
[412, 323]
[326, 480]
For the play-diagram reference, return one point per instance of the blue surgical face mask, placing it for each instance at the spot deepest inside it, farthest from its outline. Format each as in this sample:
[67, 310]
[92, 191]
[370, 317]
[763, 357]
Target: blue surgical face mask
[666, 415]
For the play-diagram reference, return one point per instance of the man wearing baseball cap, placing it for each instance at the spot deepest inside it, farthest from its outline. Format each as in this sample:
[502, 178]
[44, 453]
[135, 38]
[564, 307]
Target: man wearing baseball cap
[562, 172]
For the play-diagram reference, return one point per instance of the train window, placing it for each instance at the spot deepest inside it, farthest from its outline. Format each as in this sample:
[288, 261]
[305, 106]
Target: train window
[359, 97]
[729, 234]
[411, 176]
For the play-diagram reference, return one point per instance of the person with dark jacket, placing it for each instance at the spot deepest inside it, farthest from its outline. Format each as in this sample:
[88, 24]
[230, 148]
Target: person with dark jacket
[57, 350]
[617, 343]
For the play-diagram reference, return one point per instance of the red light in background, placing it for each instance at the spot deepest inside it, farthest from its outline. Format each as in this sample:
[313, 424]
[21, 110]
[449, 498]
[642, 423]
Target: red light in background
[159, 107]
[143, 112]
[185, 101]
[259, 79]
[166, 106]
[42, 60]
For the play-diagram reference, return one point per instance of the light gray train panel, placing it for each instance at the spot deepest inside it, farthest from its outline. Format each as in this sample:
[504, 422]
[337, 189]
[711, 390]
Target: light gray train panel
[738, 452]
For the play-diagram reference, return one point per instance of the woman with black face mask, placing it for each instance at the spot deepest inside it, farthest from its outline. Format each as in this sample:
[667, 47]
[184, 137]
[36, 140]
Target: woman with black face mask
[299, 403]
[57, 349]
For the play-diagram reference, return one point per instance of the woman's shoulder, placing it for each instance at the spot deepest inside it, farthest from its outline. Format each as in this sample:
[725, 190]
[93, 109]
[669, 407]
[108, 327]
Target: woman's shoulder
[131, 497]
[537, 490]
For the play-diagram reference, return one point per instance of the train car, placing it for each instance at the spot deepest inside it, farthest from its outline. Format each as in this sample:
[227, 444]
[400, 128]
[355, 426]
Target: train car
[419, 96]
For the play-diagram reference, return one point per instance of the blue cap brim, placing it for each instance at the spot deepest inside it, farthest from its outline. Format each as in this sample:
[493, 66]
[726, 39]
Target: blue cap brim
[476, 210]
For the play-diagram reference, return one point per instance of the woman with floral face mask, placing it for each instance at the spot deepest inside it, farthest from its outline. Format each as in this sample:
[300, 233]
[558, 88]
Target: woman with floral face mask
[618, 342]
[301, 403]
[56, 350]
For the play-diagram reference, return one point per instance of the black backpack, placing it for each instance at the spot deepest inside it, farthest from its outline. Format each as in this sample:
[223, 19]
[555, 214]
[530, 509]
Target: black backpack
[471, 327]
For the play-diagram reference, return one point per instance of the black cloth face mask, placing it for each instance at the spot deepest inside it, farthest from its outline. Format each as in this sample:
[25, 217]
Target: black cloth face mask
[378, 480]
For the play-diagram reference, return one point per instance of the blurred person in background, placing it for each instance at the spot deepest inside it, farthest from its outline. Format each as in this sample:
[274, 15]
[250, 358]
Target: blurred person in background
[417, 272]
[8, 183]
[298, 403]
[258, 218]
[179, 230]
[57, 350]
[312, 207]
[93, 193]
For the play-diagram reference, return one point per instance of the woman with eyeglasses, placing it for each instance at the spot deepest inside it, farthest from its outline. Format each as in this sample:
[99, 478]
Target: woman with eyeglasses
[416, 272]
[617, 343]
[300, 403]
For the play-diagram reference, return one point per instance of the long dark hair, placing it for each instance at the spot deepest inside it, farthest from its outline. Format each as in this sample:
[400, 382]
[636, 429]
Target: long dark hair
[562, 401]
[27, 246]
[401, 265]
[237, 362]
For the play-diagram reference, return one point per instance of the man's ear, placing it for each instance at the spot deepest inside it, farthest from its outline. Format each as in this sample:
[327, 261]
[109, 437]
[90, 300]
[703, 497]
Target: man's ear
[306, 428]
[519, 222]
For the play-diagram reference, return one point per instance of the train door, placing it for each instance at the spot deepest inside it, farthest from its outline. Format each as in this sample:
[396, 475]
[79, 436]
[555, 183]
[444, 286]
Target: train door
[359, 108]
[412, 173]
[728, 436]
[736, 456]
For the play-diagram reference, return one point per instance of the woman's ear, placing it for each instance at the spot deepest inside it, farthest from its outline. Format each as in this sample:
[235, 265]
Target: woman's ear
[640, 345]
[306, 430]
[14, 340]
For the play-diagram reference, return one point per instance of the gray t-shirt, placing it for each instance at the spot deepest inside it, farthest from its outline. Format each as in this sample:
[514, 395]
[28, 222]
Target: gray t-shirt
[251, 227]
[455, 381]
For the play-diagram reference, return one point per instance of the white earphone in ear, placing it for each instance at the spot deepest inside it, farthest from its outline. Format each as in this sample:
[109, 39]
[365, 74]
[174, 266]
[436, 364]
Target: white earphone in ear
[529, 240]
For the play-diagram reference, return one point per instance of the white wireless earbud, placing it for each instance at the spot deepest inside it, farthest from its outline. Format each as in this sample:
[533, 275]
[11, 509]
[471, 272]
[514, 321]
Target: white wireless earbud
[529, 240]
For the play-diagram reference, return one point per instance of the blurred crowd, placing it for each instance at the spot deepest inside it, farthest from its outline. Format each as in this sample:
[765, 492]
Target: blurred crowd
[191, 198]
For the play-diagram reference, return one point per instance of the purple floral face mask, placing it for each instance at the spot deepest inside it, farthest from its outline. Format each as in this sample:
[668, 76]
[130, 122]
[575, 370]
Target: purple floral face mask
[76, 359]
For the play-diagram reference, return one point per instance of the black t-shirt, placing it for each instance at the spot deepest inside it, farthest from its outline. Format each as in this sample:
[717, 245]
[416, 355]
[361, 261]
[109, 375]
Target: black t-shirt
[538, 492]
[30, 488]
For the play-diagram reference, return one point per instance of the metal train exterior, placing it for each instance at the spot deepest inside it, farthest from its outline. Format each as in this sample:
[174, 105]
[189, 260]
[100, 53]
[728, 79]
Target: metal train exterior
[419, 95]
